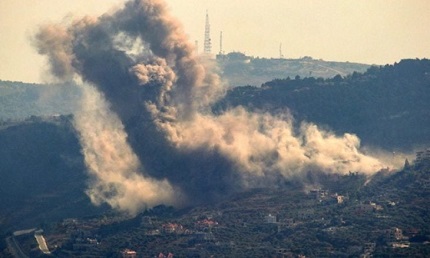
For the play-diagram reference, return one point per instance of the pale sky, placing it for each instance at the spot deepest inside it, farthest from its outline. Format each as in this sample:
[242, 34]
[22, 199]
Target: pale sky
[365, 31]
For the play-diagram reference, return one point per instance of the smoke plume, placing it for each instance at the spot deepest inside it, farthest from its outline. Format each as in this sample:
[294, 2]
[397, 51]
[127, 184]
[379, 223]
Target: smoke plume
[111, 161]
[147, 131]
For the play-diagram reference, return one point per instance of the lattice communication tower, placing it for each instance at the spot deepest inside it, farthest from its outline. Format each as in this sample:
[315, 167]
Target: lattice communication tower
[208, 43]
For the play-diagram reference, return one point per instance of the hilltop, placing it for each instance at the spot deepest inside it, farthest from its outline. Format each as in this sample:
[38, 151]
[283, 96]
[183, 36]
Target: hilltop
[241, 70]
[19, 101]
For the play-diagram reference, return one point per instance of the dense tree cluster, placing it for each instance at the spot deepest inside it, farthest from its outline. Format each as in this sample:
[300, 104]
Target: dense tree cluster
[42, 173]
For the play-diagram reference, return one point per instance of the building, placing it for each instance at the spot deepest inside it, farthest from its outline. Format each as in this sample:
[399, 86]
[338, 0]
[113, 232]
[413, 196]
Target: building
[319, 194]
[205, 224]
[170, 228]
[270, 218]
[340, 199]
[394, 235]
[127, 253]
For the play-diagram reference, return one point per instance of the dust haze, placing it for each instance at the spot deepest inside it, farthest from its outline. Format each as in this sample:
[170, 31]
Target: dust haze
[145, 123]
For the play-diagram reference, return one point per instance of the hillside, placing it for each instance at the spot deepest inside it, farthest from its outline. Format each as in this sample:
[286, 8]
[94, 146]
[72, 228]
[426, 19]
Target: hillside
[324, 216]
[386, 106]
[318, 215]
[241, 70]
[43, 181]
[42, 173]
[20, 100]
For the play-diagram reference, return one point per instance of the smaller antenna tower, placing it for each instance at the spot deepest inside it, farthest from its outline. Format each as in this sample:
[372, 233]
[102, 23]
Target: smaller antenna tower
[281, 56]
[220, 43]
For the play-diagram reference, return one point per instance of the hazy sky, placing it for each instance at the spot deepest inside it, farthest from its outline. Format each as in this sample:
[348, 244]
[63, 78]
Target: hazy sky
[366, 31]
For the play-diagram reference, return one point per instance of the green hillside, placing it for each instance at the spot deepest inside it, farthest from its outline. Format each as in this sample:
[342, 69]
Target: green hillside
[43, 179]
[19, 100]
[42, 173]
[322, 216]
[387, 106]
[240, 70]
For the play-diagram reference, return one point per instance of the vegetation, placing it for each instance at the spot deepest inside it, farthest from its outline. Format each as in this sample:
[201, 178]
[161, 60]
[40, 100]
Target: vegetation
[42, 173]
[20, 101]
[239, 69]
[42, 182]
[383, 217]
[386, 106]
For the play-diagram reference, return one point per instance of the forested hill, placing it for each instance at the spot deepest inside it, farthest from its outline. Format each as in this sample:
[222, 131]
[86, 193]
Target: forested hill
[19, 100]
[240, 69]
[387, 106]
[42, 173]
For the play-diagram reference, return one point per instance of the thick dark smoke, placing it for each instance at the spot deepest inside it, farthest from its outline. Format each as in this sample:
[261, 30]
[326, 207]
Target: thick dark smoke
[146, 129]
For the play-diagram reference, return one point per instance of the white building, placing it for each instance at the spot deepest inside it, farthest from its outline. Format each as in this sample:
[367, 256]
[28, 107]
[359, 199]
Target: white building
[270, 218]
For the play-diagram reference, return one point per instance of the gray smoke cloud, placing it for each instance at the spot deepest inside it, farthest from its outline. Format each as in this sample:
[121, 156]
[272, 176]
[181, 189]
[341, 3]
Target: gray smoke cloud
[261, 144]
[54, 42]
[153, 139]
[112, 162]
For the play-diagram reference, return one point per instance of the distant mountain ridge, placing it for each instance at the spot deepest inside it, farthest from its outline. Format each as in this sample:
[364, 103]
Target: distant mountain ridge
[20, 100]
[241, 70]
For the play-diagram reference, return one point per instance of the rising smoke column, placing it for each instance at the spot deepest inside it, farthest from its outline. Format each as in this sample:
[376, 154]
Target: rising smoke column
[158, 114]
[116, 172]
[112, 162]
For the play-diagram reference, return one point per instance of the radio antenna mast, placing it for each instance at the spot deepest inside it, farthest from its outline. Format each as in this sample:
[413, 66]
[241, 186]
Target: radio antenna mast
[220, 43]
[208, 44]
[281, 56]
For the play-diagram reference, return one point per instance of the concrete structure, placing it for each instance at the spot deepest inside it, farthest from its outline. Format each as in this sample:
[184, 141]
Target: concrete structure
[41, 242]
[127, 253]
[270, 218]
